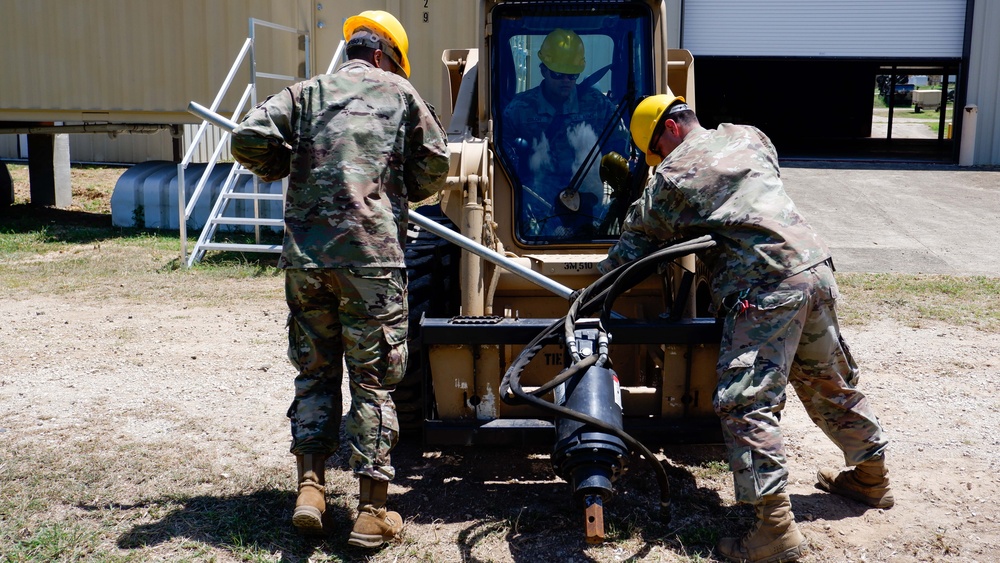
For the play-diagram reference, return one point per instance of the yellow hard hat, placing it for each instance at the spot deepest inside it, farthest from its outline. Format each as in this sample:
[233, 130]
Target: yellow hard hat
[644, 119]
[387, 27]
[562, 51]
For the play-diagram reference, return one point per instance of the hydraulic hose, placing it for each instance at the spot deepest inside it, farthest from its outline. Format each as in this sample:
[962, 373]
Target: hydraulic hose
[601, 293]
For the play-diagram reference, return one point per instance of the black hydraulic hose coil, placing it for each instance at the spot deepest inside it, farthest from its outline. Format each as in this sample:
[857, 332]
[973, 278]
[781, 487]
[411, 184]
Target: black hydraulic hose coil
[602, 293]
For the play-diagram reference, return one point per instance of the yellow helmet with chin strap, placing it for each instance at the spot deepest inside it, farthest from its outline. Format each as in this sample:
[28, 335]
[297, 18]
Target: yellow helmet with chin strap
[387, 27]
[644, 120]
[562, 51]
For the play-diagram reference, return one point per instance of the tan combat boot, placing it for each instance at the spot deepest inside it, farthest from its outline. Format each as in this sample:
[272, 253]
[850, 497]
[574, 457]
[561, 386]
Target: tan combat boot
[774, 538]
[868, 482]
[311, 504]
[375, 525]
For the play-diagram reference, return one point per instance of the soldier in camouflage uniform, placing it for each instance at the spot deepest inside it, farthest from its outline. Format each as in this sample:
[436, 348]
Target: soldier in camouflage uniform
[772, 278]
[362, 144]
[540, 127]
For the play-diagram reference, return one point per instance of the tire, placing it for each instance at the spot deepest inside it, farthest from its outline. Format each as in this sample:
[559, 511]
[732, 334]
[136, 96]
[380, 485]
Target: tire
[704, 307]
[432, 290]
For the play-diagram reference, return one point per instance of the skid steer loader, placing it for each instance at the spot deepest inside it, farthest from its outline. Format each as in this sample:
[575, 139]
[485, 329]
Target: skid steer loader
[515, 335]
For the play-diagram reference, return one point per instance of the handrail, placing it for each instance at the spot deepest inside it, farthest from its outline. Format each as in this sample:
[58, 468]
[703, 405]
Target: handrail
[337, 55]
[272, 25]
[215, 158]
[186, 208]
[218, 99]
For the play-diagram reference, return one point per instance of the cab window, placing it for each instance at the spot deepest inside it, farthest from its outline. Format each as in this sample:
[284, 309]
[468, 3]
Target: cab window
[565, 86]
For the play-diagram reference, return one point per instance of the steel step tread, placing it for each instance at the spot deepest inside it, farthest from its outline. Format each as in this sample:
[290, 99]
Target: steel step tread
[248, 221]
[240, 247]
[249, 195]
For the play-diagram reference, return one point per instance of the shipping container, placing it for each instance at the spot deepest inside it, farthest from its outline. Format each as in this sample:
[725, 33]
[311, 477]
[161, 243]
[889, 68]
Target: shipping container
[112, 66]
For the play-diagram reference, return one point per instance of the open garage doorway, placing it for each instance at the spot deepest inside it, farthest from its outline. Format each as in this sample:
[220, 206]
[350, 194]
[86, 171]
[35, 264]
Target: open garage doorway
[914, 103]
[825, 108]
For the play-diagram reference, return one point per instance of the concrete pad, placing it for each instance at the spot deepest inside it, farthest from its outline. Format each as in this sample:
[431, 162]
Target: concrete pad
[902, 217]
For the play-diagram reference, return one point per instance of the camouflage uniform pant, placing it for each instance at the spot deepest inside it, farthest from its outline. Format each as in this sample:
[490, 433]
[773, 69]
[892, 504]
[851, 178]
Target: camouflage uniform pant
[789, 333]
[357, 317]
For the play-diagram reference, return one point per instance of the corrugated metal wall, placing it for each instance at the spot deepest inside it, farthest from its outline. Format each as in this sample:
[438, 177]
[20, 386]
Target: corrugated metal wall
[93, 147]
[140, 61]
[99, 147]
[984, 80]
[131, 61]
[431, 27]
[846, 28]
[80, 60]
[8, 146]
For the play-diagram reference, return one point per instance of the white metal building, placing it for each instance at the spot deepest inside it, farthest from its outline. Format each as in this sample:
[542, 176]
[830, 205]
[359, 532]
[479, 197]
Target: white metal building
[757, 59]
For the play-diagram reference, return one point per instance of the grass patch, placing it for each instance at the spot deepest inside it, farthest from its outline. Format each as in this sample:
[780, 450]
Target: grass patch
[47, 250]
[917, 299]
[171, 506]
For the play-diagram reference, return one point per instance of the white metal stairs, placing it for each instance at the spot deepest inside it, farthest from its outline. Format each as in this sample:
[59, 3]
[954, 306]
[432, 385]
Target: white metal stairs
[234, 188]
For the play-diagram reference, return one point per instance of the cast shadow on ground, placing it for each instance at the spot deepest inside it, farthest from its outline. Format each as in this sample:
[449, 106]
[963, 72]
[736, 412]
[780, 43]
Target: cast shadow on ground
[59, 225]
[512, 495]
[245, 525]
[823, 505]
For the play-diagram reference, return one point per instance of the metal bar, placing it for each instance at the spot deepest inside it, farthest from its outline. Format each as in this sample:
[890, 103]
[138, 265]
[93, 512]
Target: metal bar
[272, 25]
[593, 520]
[254, 195]
[238, 247]
[249, 221]
[218, 99]
[212, 117]
[277, 76]
[492, 256]
[181, 222]
[205, 176]
[216, 119]
[308, 65]
[136, 128]
[522, 331]
[219, 147]
[337, 56]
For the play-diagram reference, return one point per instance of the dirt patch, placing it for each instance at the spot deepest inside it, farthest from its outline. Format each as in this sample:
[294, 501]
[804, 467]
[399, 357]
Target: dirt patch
[91, 186]
[165, 403]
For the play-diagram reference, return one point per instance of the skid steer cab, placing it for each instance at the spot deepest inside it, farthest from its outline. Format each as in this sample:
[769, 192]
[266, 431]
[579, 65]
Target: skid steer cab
[502, 348]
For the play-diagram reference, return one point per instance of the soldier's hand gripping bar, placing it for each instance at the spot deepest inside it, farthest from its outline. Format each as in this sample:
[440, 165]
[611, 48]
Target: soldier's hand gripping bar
[218, 120]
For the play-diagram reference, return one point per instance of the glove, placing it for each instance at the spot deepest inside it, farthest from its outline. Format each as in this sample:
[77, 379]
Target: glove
[264, 157]
[606, 265]
[615, 173]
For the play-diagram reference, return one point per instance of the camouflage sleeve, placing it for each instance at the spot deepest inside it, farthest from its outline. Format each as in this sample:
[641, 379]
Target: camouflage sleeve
[649, 224]
[258, 143]
[427, 164]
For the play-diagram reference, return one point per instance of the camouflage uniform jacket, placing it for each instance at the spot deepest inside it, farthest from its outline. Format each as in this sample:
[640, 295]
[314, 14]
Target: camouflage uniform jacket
[724, 182]
[529, 115]
[363, 143]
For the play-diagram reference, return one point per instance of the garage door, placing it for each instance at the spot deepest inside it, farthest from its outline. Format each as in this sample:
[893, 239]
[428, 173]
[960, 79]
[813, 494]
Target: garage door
[824, 28]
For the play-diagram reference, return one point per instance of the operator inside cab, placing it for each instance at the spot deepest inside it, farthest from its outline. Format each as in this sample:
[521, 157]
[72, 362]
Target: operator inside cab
[554, 136]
